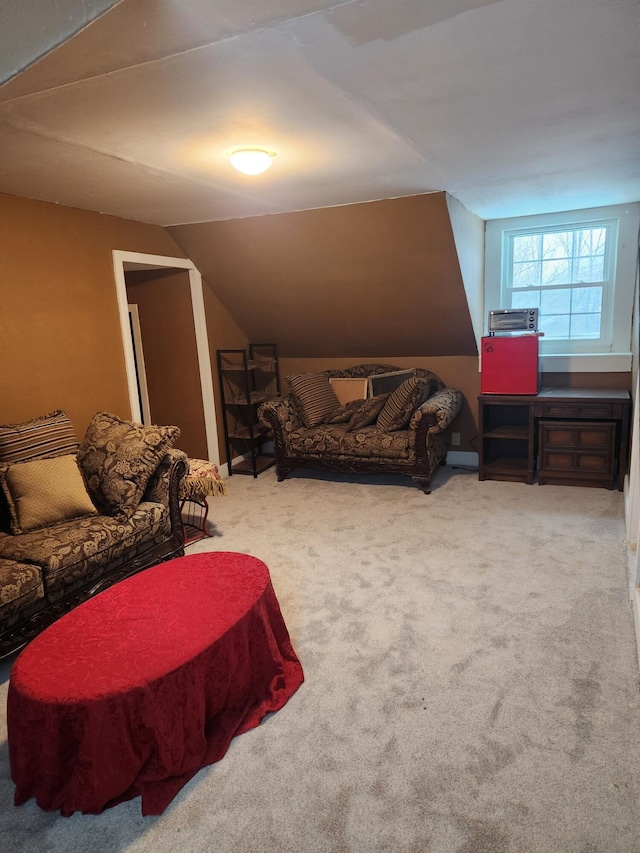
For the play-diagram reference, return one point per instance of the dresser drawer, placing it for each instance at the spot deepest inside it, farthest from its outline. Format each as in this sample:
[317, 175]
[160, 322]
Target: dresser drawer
[596, 436]
[586, 463]
[578, 409]
[577, 452]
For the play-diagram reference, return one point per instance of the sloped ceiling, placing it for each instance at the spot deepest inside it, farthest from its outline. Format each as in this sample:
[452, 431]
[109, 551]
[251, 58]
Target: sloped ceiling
[363, 280]
[29, 30]
[377, 111]
[512, 106]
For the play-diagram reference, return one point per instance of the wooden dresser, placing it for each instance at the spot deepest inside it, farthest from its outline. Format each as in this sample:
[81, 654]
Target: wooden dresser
[568, 436]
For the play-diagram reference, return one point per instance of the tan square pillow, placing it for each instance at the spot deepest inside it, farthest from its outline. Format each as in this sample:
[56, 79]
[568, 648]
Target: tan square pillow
[43, 492]
[48, 435]
[402, 403]
[118, 457]
[314, 397]
[348, 388]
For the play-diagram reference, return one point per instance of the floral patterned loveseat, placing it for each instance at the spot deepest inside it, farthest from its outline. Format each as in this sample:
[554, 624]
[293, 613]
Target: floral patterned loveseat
[404, 430]
[76, 518]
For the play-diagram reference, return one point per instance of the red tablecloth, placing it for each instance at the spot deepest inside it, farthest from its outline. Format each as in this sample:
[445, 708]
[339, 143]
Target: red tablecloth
[135, 690]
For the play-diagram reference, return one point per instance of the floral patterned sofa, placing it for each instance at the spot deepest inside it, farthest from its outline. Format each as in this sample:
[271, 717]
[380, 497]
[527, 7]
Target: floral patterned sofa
[404, 430]
[76, 518]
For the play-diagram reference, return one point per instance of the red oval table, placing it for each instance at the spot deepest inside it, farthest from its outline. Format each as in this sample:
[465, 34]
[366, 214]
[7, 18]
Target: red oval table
[138, 688]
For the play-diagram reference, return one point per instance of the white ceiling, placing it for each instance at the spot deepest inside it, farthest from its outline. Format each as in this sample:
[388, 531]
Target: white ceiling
[512, 106]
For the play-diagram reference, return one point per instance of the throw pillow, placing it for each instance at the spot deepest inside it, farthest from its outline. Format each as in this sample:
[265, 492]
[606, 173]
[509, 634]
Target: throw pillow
[314, 397]
[367, 412]
[402, 403]
[117, 459]
[343, 414]
[43, 492]
[49, 435]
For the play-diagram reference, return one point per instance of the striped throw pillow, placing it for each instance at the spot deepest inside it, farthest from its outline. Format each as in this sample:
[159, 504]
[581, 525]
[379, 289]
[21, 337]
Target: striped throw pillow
[314, 397]
[49, 435]
[398, 409]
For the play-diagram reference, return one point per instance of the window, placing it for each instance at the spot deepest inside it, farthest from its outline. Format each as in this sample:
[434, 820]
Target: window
[565, 273]
[577, 268]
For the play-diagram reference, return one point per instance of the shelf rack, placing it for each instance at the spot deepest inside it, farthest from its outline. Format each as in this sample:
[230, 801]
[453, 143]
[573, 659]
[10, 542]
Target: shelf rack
[247, 379]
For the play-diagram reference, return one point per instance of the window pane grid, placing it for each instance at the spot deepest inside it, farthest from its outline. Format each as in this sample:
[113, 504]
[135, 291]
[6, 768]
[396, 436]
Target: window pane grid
[564, 273]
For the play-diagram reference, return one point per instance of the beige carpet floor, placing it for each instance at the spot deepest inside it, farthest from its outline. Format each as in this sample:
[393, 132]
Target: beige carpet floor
[471, 680]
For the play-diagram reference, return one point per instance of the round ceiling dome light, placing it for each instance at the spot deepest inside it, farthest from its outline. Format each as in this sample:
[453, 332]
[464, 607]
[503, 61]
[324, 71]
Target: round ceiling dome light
[251, 161]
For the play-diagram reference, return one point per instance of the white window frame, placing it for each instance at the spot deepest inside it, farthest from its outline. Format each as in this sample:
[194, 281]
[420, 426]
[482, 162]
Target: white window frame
[562, 345]
[613, 352]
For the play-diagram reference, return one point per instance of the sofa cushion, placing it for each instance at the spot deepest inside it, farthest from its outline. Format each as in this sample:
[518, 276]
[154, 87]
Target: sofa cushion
[402, 403]
[367, 412]
[334, 442]
[44, 491]
[49, 435]
[313, 396]
[20, 585]
[118, 457]
[324, 440]
[377, 445]
[85, 547]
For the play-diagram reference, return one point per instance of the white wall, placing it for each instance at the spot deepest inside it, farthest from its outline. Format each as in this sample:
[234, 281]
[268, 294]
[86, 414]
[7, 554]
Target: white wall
[468, 235]
[632, 494]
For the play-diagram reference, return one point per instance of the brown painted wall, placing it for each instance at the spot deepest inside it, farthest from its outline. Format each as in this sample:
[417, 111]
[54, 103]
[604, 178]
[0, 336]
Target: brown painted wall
[60, 339]
[326, 281]
[587, 380]
[171, 358]
[342, 281]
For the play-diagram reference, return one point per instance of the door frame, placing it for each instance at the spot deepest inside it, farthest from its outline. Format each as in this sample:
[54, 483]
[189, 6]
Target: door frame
[143, 261]
[138, 355]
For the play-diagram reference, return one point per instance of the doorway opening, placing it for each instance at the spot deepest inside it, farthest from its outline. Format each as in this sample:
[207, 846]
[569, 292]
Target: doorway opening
[124, 262]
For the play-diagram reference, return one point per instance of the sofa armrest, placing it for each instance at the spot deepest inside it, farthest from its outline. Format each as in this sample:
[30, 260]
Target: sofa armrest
[436, 413]
[280, 414]
[167, 477]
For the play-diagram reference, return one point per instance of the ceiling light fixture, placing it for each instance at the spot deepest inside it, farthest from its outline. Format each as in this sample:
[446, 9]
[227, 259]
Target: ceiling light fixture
[251, 161]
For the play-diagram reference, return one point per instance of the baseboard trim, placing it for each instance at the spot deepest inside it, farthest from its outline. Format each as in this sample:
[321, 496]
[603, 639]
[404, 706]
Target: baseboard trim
[462, 457]
[224, 468]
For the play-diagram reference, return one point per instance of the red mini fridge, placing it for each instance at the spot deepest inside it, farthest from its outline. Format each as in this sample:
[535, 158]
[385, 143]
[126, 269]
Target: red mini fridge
[509, 365]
